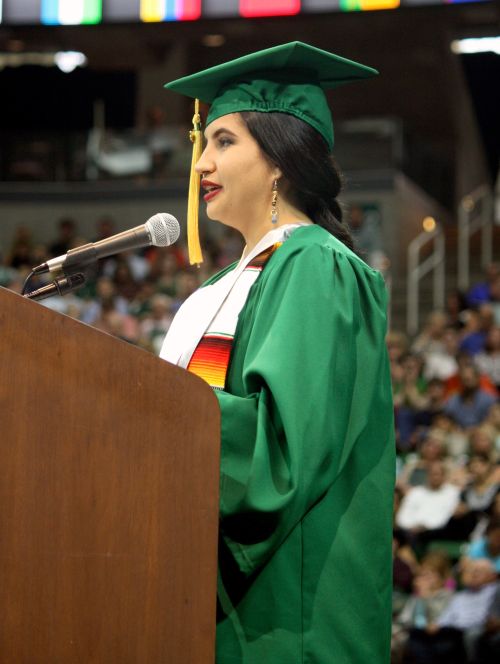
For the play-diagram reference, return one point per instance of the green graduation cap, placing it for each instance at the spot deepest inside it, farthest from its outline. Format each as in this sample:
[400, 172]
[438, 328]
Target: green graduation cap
[290, 78]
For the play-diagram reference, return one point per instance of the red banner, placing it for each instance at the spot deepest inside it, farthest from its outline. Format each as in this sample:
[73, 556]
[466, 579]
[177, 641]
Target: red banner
[249, 8]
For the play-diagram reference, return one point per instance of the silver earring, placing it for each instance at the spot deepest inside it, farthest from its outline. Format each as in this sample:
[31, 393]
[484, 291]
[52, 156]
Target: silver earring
[274, 203]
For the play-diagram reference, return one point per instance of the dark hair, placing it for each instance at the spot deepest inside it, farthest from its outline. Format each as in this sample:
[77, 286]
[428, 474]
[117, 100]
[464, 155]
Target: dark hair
[304, 158]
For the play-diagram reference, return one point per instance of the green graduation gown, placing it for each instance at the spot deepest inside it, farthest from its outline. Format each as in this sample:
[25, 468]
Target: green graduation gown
[307, 465]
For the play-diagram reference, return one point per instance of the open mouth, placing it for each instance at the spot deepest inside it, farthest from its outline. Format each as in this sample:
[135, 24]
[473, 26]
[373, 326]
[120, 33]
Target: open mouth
[212, 190]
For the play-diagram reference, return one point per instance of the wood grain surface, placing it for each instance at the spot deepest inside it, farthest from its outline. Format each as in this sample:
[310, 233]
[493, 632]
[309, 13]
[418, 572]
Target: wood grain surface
[108, 498]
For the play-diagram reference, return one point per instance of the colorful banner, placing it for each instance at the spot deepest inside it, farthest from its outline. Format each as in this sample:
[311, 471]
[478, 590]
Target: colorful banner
[152, 11]
[254, 8]
[368, 5]
[70, 12]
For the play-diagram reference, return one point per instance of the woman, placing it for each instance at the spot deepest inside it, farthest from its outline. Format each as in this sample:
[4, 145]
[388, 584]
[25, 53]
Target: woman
[292, 340]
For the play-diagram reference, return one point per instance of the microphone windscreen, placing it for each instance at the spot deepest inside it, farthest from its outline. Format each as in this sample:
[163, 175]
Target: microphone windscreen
[164, 229]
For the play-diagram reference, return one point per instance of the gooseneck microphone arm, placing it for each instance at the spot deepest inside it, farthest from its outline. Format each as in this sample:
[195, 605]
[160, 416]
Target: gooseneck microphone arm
[59, 286]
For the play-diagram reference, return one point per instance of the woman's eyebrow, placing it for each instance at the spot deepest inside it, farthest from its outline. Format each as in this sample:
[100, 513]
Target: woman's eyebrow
[221, 130]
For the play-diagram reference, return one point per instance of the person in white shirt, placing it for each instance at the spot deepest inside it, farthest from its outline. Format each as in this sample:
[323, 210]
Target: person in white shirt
[429, 507]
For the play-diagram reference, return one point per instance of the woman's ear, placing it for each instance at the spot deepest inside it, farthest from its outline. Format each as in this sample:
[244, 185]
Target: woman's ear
[277, 173]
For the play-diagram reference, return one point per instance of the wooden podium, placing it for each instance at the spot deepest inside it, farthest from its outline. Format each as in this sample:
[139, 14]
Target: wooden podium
[108, 498]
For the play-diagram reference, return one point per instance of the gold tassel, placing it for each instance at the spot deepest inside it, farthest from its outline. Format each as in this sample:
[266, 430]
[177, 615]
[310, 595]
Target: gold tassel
[194, 248]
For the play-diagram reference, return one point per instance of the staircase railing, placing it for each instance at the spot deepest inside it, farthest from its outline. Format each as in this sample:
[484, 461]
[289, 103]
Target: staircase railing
[475, 213]
[417, 269]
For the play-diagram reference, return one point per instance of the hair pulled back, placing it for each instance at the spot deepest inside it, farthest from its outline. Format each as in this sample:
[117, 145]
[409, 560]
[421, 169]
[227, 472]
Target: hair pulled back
[305, 160]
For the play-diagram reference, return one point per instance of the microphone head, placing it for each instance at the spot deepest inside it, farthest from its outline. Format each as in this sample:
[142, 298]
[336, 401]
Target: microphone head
[163, 228]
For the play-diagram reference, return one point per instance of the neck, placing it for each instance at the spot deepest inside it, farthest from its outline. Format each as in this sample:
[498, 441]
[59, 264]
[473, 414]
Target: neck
[255, 231]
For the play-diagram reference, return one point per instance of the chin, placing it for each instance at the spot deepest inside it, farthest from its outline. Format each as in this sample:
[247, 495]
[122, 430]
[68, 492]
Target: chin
[213, 216]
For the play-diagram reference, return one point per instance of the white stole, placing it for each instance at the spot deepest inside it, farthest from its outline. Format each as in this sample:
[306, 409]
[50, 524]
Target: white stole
[220, 300]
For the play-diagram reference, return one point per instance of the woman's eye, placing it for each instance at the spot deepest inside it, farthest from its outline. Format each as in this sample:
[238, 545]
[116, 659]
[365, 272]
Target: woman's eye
[224, 142]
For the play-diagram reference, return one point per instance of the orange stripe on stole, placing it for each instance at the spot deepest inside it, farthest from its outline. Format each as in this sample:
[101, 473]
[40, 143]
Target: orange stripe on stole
[211, 358]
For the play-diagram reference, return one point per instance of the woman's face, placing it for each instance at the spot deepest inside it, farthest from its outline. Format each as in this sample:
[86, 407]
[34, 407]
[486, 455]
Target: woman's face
[237, 178]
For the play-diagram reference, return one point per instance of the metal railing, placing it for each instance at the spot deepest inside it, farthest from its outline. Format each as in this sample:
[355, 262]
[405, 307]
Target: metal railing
[417, 270]
[475, 213]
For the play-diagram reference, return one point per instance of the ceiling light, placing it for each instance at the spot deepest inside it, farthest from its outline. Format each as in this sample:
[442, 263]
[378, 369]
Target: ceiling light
[476, 45]
[67, 61]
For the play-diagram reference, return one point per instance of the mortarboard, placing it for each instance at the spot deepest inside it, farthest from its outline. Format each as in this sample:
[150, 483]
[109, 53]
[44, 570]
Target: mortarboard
[290, 78]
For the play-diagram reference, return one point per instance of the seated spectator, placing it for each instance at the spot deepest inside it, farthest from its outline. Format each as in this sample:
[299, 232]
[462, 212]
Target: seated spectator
[427, 508]
[114, 322]
[415, 470]
[442, 363]
[20, 256]
[487, 649]
[164, 272]
[452, 637]
[454, 437]
[429, 598]
[187, 282]
[453, 385]
[65, 238]
[126, 284]
[456, 304]
[481, 293]
[482, 441]
[470, 407]
[476, 499]
[474, 333]
[397, 345]
[435, 404]
[488, 360]
[430, 340]
[484, 483]
[7, 274]
[155, 325]
[409, 398]
[106, 298]
[488, 547]
[136, 265]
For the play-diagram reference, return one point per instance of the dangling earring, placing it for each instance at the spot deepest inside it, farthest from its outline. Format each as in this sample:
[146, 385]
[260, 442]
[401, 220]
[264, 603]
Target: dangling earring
[274, 203]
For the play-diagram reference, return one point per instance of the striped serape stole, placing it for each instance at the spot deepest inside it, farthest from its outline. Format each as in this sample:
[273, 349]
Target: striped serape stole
[210, 359]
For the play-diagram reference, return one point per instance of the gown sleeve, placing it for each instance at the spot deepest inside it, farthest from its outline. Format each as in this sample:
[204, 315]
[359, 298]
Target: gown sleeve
[313, 370]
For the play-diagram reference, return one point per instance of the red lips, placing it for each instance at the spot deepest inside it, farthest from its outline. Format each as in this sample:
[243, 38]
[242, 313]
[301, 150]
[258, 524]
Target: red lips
[212, 189]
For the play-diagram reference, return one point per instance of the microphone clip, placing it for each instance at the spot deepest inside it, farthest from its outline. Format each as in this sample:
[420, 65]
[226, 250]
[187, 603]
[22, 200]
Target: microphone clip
[60, 286]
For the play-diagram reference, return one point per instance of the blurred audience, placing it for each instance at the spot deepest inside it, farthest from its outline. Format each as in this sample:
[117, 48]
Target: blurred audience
[452, 637]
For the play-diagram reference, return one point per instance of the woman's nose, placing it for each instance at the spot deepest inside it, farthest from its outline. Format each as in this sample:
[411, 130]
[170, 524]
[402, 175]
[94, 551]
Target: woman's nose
[203, 165]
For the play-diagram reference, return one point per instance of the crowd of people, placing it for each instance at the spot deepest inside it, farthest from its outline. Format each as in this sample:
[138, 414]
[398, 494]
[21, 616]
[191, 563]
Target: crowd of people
[446, 387]
[446, 542]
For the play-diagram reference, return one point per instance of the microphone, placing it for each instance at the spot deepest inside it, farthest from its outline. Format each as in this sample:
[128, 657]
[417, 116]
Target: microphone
[59, 286]
[160, 230]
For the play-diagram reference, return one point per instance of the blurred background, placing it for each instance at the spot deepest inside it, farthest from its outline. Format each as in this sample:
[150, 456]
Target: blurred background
[91, 144]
